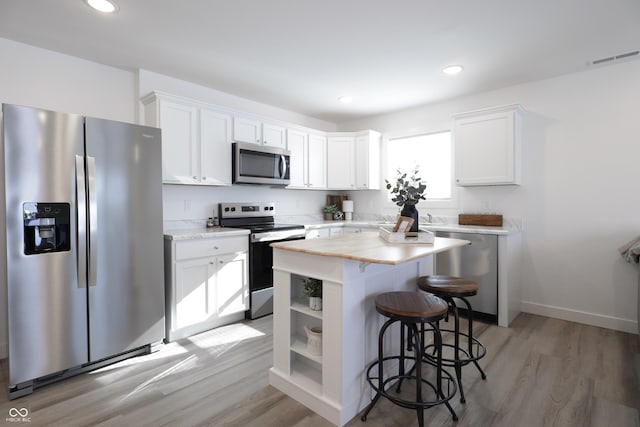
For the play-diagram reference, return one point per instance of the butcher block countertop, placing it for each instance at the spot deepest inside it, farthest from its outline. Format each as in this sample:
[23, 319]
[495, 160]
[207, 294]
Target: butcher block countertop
[369, 247]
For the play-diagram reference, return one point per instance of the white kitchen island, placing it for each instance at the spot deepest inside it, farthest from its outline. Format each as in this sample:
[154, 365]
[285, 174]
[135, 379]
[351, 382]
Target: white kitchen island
[354, 269]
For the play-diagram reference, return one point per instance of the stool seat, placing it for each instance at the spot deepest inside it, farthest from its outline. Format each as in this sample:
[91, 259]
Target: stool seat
[449, 285]
[411, 306]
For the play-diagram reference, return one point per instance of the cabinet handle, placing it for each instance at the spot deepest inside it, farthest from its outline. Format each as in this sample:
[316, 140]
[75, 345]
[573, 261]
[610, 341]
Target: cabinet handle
[204, 178]
[195, 177]
[221, 262]
[216, 248]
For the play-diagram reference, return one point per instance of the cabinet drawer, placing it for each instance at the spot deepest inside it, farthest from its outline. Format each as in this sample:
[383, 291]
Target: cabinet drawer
[210, 247]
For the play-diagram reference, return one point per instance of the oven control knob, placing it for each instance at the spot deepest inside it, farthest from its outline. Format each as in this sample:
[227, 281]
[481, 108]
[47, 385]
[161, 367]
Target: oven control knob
[266, 208]
[226, 209]
[270, 208]
[233, 209]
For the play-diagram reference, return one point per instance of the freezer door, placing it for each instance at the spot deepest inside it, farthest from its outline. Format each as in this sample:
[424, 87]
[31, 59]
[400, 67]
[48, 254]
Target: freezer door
[47, 305]
[126, 274]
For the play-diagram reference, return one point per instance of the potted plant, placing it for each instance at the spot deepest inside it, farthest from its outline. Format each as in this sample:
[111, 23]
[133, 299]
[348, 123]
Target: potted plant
[329, 211]
[313, 289]
[406, 192]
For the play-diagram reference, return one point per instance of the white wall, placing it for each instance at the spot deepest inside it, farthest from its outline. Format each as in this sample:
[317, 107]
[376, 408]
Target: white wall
[42, 78]
[580, 198]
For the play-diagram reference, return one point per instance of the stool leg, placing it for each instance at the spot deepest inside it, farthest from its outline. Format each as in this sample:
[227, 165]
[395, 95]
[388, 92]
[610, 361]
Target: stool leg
[470, 333]
[418, 355]
[437, 341]
[456, 335]
[401, 365]
[380, 370]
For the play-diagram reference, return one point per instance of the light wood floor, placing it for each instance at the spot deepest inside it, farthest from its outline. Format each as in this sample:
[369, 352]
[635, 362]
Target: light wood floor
[541, 372]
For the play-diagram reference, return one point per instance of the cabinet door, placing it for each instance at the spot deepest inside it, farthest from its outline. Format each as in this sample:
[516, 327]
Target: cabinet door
[487, 148]
[340, 162]
[232, 285]
[194, 291]
[296, 143]
[362, 161]
[274, 136]
[247, 130]
[179, 143]
[215, 143]
[317, 161]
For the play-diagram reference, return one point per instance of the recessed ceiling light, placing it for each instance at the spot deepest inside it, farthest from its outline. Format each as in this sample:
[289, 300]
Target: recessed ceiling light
[452, 69]
[346, 99]
[104, 6]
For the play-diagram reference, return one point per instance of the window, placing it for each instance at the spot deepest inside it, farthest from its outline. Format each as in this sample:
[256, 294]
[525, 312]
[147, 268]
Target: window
[432, 153]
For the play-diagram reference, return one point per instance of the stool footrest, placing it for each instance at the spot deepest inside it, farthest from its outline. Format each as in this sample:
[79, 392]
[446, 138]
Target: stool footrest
[447, 378]
[479, 353]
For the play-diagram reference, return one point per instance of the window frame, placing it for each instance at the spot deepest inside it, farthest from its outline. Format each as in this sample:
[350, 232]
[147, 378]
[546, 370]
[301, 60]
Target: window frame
[388, 206]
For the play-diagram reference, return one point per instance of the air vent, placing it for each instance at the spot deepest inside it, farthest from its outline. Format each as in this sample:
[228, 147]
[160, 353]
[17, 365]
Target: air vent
[619, 57]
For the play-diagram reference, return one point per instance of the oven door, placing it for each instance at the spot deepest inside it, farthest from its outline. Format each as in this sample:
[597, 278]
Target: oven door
[261, 276]
[256, 164]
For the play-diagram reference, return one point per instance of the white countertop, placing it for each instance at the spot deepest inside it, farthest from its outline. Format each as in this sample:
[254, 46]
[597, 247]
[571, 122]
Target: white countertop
[369, 247]
[429, 226]
[204, 233]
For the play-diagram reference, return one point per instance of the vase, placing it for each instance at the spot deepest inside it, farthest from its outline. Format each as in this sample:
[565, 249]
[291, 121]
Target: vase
[411, 212]
[315, 303]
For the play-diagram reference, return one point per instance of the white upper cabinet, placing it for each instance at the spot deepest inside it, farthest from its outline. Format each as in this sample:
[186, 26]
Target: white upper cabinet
[308, 160]
[367, 160]
[273, 135]
[340, 162]
[215, 143]
[488, 146]
[296, 144]
[195, 140]
[257, 132]
[247, 130]
[353, 162]
[317, 161]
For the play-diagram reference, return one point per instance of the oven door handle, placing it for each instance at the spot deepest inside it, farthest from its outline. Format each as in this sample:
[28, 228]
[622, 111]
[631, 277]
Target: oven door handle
[277, 236]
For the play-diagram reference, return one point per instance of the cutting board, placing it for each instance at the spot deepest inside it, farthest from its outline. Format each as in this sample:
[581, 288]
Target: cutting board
[480, 219]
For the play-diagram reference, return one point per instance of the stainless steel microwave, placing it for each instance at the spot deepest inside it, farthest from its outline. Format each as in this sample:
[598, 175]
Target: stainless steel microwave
[259, 164]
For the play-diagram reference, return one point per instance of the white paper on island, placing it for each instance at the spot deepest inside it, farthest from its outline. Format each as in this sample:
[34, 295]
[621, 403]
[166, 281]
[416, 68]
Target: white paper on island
[423, 236]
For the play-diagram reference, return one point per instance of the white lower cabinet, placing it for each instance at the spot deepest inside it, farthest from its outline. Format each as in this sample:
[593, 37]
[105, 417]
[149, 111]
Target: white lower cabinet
[206, 284]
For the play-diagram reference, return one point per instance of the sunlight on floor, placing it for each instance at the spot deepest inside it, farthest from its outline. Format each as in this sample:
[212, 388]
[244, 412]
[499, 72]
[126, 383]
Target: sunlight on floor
[215, 342]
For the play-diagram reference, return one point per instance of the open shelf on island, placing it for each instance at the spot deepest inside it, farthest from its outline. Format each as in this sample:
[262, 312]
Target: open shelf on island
[299, 345]
[303, 308]
[306, 373]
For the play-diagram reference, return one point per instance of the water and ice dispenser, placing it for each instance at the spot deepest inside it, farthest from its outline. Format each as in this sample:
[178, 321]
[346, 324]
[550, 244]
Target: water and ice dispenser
[46, 227]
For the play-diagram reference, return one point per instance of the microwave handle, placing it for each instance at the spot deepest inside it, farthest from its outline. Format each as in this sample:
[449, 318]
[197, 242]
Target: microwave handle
[283, 167]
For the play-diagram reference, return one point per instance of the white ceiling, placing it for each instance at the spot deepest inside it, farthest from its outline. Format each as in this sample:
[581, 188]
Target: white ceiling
[301, 55]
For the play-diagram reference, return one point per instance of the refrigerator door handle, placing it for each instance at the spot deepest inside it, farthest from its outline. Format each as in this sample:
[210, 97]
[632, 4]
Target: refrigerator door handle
[93, 221]
[81, 242]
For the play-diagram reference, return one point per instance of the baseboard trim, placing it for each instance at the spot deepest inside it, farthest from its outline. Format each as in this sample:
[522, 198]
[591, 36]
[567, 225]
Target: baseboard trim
[609, 322]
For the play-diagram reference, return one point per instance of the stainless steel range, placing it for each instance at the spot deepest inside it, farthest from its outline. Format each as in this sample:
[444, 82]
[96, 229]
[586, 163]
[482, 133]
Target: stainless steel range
[259, 217]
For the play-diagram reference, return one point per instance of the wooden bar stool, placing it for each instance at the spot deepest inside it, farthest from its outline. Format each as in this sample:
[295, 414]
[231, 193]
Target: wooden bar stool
[448, 288]
[411, 309]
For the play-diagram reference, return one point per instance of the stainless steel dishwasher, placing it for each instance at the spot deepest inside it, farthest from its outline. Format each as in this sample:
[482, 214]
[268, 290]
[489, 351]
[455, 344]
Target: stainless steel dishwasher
[478, 262]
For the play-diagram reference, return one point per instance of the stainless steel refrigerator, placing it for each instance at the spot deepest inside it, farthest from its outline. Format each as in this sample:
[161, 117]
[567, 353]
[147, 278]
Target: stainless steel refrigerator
[84, 243]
